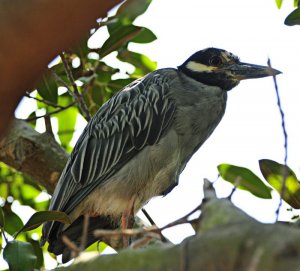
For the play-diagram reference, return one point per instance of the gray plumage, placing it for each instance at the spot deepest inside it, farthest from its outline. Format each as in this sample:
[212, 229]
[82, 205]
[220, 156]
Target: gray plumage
[136, 146]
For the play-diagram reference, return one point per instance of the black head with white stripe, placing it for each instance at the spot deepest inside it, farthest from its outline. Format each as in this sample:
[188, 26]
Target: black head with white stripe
[217, 67]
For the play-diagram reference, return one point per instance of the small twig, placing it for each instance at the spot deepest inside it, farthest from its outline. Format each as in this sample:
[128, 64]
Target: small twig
[75, 93]
[219, 175]
[148, 217]
[61, 81]
[143, 231]
[232, 192]
[71, 245]
[85, 229]
[51, 113]
[144, 241]
[236, 183]
[43, 101]
[125, 232]
[282, 116]
[48, 125]
[4, 235]
[285, 135]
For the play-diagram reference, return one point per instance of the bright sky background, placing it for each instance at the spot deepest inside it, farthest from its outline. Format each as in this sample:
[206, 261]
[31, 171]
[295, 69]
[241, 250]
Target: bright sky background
[251, 129]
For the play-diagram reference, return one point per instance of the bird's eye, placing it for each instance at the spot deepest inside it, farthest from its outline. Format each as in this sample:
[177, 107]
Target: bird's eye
[215, 61]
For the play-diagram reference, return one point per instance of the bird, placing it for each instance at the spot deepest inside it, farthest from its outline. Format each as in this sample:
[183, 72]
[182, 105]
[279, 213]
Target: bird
[139, 142]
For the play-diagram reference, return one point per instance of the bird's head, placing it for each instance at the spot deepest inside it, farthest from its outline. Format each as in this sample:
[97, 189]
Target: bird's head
[217, 67]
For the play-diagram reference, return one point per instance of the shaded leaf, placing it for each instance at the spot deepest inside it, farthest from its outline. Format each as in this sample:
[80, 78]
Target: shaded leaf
[145, 36]
[40, 217]
[245, 179]
[131, 9]
[118, 38]
[38, 252]
[32, 116]
[137, 60]
[82, 48]
[47, 88]
[118, 84]
[19, 256]
[274, 173]
[100, 94]
[12, 221]
[104, 77]
[293, 18]
[2, 220]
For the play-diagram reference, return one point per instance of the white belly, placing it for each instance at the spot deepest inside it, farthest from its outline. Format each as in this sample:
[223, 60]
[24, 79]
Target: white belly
[148, 174]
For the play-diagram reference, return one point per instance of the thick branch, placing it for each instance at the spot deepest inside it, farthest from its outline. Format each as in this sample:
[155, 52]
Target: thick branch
[32, 33]
[38, 155]
[229, 240]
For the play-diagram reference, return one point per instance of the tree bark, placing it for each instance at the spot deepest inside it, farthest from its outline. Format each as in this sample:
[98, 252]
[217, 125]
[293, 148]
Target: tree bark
[227, 240]
[30, 152]
[32, 33]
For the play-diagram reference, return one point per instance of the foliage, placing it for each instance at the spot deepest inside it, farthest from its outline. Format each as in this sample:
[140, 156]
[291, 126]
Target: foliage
[294, 17]
[279, 176]
[245, 179]
[84, 76]
[20, 256]
[79, 78]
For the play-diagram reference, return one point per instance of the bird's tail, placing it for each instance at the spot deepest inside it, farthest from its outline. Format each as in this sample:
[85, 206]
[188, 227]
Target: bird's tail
[74, 233]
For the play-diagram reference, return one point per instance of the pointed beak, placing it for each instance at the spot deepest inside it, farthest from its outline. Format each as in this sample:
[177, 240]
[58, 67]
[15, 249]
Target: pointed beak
[243, 71]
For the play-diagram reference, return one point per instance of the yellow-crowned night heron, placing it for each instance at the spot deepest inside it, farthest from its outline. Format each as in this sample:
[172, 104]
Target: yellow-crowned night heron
[139, 142]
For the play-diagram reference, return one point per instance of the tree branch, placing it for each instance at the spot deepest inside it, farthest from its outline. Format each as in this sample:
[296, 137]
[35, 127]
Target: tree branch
[38, 155]
[228, 240]
[75, 93]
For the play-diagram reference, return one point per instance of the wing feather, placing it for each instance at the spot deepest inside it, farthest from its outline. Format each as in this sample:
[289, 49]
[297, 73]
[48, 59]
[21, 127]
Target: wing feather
[135, 117]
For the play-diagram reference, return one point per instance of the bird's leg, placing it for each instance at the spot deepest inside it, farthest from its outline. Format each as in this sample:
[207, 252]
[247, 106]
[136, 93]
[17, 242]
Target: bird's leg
[127, 220]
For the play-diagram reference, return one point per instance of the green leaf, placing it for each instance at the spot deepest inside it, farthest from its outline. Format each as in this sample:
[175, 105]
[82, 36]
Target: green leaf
[19, 256]
[82, 48]
[245, 179]
[2, 219]
[278, 3]
[38, 252]
[12, 221]
[121, 36]
[47, 88]
[100, 94]
[275, 173]
[138, 60]
[98, 246]
[131, 9]
[145, 36]
[27, 194]
[118, 84]
[66, 125]
[293, 18]
[40, 217]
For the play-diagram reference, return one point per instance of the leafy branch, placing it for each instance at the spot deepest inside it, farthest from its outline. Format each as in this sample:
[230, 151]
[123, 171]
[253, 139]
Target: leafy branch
[75, 93]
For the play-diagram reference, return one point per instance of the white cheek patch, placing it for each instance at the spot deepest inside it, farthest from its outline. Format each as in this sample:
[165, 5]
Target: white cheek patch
[198, 67]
